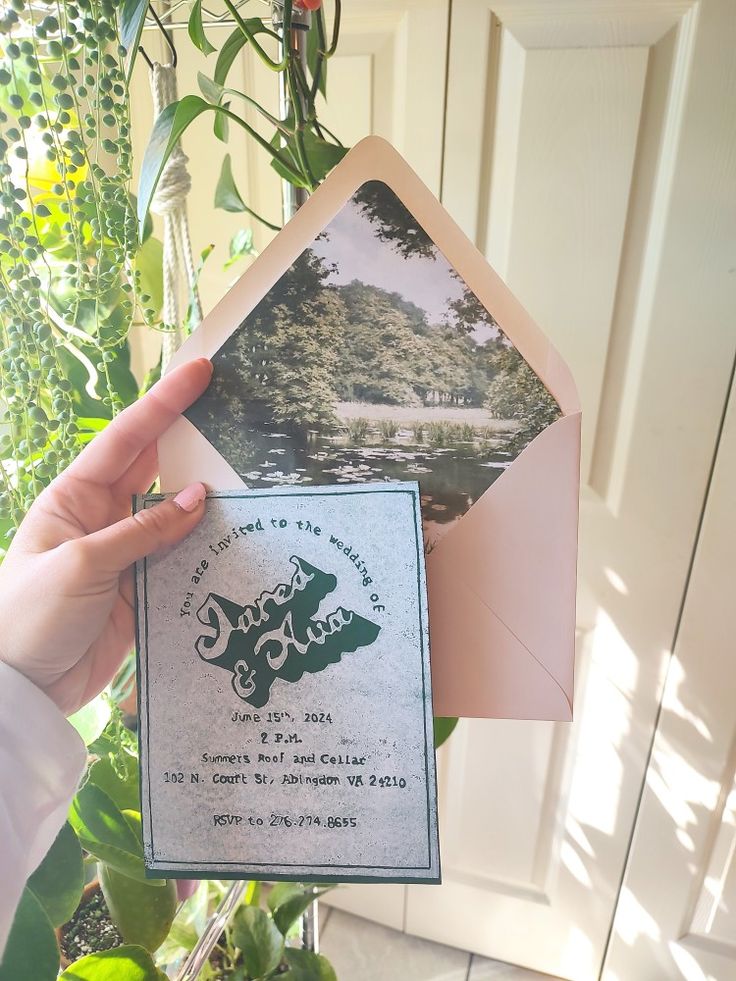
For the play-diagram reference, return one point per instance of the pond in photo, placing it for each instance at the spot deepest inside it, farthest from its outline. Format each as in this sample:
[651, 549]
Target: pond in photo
[454, 461]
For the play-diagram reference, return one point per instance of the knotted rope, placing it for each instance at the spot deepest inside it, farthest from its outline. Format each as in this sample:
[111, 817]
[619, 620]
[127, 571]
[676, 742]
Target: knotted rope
[170, 202]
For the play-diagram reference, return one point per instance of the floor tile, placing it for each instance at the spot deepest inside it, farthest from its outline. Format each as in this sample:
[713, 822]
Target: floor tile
[363, 951]
[481, 969]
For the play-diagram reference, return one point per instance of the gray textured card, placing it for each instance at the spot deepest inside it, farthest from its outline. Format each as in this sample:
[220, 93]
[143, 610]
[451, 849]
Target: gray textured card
[285, 697]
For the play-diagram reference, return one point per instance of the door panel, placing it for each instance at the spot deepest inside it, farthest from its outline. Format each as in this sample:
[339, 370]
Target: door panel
[587, 148]
[677, 912]
[676, 916]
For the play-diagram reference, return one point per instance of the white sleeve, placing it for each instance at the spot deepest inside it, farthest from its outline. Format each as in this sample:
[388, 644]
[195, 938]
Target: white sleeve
[41, 761]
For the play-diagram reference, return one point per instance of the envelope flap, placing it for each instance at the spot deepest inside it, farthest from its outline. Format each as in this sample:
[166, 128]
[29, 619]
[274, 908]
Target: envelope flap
[185, 456]
[375, 159]
[511, 564]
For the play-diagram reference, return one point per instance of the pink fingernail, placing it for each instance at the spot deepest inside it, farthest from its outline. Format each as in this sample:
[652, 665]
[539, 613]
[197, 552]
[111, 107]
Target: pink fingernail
[191, 497]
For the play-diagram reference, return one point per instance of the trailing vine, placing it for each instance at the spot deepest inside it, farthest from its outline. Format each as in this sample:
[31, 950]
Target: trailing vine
[74, 276]
[68, 238]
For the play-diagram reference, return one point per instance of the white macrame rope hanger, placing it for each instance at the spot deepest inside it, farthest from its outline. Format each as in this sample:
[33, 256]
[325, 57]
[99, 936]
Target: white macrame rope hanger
[170, 201]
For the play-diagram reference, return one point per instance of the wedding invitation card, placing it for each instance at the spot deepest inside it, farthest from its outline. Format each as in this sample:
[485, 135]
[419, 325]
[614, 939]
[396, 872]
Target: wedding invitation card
[285, 692]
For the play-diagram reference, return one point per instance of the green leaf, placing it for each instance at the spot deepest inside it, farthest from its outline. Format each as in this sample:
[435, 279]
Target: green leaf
[104, 831]
[191, 318]
[252, 895]
[196, 30]
[95, 426]
[289, 911]
[31, 952]
[285, 147]
[135, 823]
[128, 963]
[443, 729]
[258, 938]
[183, 935]
[212, 91]
[123, 684]
[108, 741]
[58, 881]
[148, 227]
[142, 911]
[231, 47]
[189, 924]
[152, 376]
[91, 720]
[122, 378]
[322, 156]
[227, 195]
[307, 966]
[313, 55]
[149, 262]
[171, 122]
[168, 128]
[132, 15]
[241, 245]
[221, 127]
[215, 94]
[121, 784]
[281, 892]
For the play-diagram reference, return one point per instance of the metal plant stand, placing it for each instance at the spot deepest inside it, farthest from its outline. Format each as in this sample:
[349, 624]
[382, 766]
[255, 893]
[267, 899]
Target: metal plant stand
[211, 933]
[293, 198]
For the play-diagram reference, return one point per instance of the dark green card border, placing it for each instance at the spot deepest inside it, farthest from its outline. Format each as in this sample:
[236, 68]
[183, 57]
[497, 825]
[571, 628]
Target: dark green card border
[172, 869]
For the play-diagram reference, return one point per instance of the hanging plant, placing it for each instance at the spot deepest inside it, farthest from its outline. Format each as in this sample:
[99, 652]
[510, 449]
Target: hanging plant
[68, 239]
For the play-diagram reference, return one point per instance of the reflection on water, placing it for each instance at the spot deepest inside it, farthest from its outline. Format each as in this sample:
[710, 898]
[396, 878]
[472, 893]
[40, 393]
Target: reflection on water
[451, 477]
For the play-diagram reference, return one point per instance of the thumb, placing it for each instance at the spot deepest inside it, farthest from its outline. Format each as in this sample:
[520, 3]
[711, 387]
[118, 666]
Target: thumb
[120, 545]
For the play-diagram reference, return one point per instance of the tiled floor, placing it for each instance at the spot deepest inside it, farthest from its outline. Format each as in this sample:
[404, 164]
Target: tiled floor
[363, 951]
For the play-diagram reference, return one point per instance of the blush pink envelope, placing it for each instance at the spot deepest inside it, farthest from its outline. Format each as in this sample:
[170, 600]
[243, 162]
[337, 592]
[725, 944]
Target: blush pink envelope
[502, 580]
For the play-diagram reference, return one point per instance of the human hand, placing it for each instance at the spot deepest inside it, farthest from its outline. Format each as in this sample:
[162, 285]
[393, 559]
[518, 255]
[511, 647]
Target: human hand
[66, 585]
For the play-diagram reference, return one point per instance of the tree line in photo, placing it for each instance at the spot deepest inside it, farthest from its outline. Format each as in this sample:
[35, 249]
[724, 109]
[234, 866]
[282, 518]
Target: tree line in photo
[310, 344]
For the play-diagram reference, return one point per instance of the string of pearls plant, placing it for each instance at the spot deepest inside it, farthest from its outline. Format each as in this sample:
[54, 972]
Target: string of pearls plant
[71, 261]
[68, 238]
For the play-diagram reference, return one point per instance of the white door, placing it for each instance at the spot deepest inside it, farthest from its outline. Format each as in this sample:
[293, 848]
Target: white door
[599, 140]
[676, 917]
[586, 146]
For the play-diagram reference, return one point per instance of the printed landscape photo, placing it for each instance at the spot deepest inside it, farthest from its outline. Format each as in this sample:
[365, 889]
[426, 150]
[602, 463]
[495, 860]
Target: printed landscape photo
[370, 360]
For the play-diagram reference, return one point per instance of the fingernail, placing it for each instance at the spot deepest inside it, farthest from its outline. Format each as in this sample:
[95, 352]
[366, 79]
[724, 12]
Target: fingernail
[191, 497]
[206, 361]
